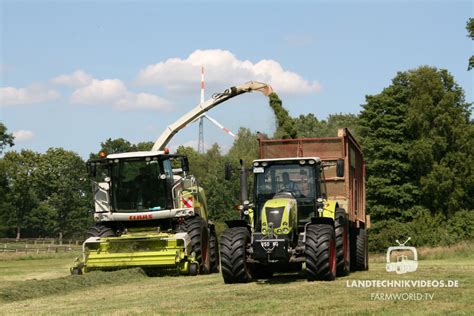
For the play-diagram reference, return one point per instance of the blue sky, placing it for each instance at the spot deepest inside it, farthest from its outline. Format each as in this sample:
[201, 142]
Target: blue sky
[76, 73]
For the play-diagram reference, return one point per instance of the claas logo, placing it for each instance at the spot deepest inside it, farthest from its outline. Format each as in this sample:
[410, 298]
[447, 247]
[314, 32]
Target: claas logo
[138, 217]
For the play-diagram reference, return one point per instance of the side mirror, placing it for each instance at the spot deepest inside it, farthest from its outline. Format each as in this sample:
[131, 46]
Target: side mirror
[185, 164]
[340, 168]
[227, 171]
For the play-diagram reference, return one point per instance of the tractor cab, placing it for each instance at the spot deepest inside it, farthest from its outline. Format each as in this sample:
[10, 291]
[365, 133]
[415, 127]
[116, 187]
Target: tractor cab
[283, 183]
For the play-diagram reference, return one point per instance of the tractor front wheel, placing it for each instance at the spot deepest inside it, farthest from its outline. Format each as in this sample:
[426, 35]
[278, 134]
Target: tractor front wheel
[320, 252]
[233, 246]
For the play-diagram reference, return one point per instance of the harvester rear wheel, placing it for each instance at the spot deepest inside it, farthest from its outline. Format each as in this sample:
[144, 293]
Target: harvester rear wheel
[362, 251]
[320, 252]
[214, 252]
[342, 243]
[199, 234]
[233, 246]
[100, 230]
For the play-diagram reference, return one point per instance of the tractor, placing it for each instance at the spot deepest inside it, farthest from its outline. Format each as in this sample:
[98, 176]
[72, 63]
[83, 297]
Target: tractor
[299, 217]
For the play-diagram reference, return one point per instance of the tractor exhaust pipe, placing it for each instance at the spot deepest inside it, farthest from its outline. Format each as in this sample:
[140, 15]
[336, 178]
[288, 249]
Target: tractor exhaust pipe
[244, 191]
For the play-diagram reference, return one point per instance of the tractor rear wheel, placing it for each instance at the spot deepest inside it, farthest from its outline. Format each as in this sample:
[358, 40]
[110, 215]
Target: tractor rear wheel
[320, 252]
[214, 252]
[199, 234]
[100, 230]
[342, 243]
[362, 251]
[233, 246]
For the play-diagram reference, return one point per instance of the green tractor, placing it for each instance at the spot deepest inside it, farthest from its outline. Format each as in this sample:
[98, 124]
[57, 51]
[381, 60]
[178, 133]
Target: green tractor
[290, 223]
[307, 211]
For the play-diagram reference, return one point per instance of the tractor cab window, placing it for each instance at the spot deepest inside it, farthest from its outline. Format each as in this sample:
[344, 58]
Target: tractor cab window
[139, 185]
[295, 179]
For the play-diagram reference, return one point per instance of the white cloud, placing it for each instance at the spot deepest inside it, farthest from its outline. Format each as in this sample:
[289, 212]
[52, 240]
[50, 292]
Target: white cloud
[114, 92]
[29, 95]
[222, 67]
[77, 79]
[23, 136]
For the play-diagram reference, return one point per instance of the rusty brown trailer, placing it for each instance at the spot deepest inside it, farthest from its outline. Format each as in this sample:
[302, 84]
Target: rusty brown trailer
[349, 190]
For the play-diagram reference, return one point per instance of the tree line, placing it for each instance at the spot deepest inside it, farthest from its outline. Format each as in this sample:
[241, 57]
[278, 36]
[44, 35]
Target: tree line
[417, 137]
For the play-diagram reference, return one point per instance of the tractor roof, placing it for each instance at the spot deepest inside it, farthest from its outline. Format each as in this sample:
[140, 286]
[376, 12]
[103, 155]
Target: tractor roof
[289, 159]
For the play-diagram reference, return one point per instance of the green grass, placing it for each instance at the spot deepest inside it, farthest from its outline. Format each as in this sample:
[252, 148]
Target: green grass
[130, 292]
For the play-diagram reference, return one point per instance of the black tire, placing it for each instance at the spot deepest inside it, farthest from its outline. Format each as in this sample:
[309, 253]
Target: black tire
[320, 252]
[199, 234]
[343, 252]
[233, 252]
[362, 251]
[100, 230]
[193, 269]
[214, 252]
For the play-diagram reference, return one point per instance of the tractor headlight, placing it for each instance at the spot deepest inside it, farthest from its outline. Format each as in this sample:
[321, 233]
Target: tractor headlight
[312, 162]
[255, 164]
[264, 224]
[285, 224]
[264, 164]
[285, 230]
[278, 231]
[302, 162]
[264, 231]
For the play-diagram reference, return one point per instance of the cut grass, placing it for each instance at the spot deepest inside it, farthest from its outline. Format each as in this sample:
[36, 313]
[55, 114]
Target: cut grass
[127, 292]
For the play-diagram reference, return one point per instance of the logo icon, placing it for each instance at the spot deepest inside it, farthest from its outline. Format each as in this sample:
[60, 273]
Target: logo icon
[402, 264]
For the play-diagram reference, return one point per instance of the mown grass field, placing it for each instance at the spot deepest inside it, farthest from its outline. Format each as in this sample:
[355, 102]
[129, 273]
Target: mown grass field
[42, 285]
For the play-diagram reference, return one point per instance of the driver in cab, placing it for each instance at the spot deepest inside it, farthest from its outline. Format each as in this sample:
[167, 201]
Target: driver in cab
[289, 185]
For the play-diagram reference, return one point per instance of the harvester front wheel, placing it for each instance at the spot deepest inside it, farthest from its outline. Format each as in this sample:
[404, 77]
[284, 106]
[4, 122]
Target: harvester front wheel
[233, 246]
[342, 243]
[100, 230]
[199, 234]
[214, 252]
[320, 252]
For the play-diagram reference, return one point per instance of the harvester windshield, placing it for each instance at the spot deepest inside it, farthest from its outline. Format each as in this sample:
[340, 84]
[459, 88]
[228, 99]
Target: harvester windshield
[140, 184]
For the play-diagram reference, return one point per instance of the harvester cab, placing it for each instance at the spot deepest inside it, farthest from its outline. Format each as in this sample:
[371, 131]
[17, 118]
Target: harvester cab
[149, 211]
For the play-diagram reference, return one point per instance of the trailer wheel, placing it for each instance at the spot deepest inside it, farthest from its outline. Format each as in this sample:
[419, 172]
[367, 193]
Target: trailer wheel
[100, 230]
[320, 252]
[343, 252]
[214, 252]
[233, 246]
[362, 251]
[199, 234]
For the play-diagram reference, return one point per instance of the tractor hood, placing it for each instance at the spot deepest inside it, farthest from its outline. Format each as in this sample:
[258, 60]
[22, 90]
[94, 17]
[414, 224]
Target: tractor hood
[280, 215]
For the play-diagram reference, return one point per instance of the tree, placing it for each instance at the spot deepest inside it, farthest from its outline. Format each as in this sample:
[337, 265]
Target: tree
[20, 172]
[309, 126]
[418, 145]
[6, 139]
[64, 191]
[470, 30]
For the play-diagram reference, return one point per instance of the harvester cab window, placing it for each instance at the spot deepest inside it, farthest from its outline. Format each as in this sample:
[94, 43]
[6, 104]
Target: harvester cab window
[138, 185]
